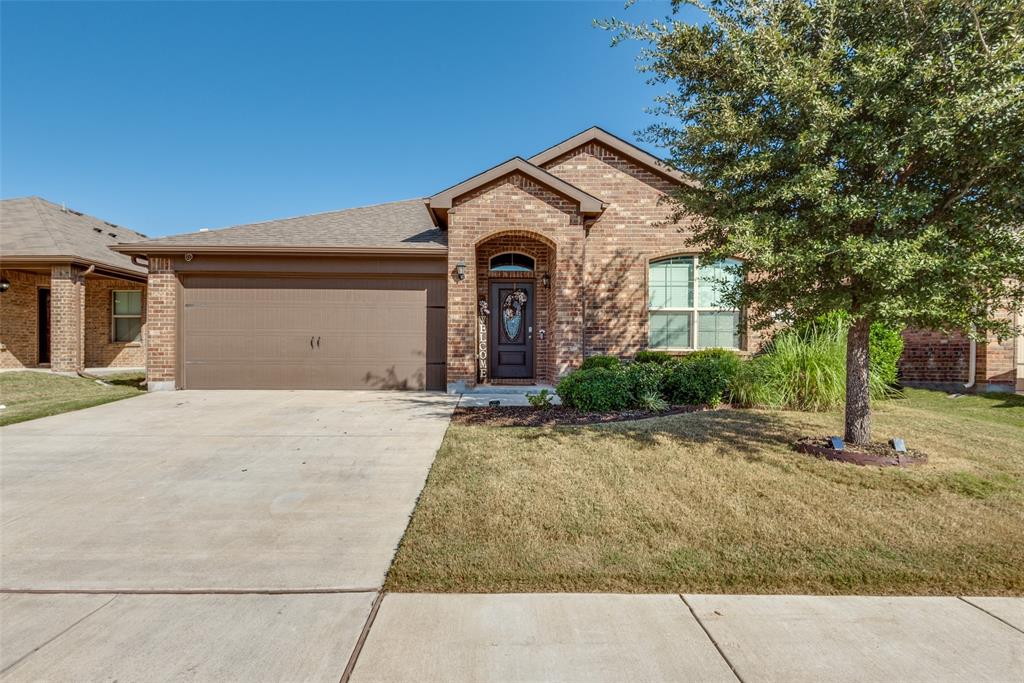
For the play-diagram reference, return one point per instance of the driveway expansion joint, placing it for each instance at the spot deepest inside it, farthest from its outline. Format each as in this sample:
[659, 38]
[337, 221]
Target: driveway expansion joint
[358, 648]
[184, 591]
[34, 650]
[712, 639]
[998, 618]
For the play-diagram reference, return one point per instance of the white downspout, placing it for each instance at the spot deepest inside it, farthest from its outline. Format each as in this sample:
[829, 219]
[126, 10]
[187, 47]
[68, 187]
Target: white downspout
[972, 365]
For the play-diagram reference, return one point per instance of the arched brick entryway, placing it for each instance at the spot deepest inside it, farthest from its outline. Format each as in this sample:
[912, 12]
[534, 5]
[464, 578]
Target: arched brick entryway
[543, 252]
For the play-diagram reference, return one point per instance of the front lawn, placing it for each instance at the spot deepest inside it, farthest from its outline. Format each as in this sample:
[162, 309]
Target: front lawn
[28, 395]
[717, 502]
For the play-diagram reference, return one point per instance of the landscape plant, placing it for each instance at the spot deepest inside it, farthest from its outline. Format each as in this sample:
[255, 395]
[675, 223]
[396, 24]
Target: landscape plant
[857, 155]
[608, 362]
[702, 378]
[595, 390]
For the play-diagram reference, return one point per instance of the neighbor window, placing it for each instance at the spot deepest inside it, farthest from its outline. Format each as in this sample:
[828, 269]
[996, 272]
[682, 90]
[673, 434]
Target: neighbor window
[126, 316]
[512, 263]
[685, 304]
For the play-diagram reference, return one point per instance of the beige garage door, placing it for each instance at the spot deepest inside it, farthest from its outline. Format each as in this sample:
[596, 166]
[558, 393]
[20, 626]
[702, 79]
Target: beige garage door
[312, 333]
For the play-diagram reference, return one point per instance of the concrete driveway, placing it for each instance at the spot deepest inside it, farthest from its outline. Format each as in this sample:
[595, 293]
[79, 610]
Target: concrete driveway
[200, 505]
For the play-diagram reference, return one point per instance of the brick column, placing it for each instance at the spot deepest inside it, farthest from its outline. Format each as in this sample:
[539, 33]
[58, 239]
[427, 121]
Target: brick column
[462, 315]
[161, 325]
[67, 318]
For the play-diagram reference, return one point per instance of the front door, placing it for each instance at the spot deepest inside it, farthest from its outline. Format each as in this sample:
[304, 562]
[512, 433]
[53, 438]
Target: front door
[511, 330]
[43, 326]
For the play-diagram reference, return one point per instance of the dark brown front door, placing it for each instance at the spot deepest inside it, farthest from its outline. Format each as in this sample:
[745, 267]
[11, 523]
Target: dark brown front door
[511, 330]
[43, 316]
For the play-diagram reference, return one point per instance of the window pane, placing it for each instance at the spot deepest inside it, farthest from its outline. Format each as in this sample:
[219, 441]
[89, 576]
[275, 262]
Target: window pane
[127, 329]
[712, 276]
[719, 329]
[127, 303]
[670, 330]
[671, 283]
[512, 262]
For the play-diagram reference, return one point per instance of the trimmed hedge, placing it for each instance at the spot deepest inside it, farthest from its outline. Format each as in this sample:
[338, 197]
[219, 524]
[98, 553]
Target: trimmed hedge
[701, 378]
[645, 378]
[607, 362]
[659, 357]
[596, 390]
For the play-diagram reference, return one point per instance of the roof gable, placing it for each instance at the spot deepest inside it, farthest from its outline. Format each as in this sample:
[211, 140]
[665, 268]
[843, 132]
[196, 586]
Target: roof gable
[441, 202]
[627, 149]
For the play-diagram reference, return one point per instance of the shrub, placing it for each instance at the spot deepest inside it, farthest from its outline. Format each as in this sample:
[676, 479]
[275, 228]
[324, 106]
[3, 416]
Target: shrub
[541, 399]
[607, 362]
[885, 344]
[659, 357]
[653, 401]
[801, 369]
[702, 378]
[596, 390]
[645, 378]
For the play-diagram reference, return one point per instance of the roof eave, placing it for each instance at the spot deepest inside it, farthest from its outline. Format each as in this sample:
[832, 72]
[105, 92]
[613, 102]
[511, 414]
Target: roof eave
[100, 266]
[290, 250]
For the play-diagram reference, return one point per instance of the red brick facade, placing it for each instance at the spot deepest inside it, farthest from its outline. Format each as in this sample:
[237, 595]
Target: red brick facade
[942, 360]
[80, 321]
[597, 301]
[161, 327]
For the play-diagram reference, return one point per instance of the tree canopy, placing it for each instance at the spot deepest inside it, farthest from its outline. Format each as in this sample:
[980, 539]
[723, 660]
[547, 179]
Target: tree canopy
[859, 155]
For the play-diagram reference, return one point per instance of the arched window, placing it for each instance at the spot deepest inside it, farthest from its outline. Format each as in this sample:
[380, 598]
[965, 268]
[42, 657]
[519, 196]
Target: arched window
[685, 304]
[515, 263]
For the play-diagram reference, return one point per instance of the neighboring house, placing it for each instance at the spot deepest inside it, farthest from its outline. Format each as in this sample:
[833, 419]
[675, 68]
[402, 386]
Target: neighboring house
[514, 275]
[67, 301]
[953, 363]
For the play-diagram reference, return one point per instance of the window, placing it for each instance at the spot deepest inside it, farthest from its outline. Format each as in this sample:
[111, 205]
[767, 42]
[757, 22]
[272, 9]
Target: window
[512, 263]
[126, 315]
[685, 304]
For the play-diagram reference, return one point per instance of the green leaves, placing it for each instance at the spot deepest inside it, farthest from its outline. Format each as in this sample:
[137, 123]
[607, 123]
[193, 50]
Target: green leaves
[860, 155]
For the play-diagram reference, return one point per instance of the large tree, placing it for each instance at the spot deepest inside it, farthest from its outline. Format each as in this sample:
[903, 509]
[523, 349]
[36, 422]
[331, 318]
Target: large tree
[860, 155]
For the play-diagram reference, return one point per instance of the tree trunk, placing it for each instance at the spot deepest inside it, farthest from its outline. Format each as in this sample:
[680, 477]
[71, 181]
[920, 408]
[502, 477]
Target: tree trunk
[858, 406]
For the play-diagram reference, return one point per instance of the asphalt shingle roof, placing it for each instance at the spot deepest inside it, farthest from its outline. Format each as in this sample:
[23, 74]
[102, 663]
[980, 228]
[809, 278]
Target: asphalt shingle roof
[396, 224]
[32, 226]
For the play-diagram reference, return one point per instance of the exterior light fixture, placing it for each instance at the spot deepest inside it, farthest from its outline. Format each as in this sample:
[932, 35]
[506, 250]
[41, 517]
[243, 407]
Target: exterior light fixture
[898, 445]
[4, 285]
[460, 270]
[545, 280]
[835, 443]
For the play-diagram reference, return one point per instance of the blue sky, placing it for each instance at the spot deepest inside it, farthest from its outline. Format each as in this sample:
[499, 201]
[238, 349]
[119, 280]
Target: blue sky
[168, 117]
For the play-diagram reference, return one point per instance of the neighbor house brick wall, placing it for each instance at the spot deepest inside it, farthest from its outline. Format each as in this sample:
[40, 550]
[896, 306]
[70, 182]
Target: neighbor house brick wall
[997, 363]
[100, 348]
[67, 318]
[161, 313]
[932, 357]
[19, 320]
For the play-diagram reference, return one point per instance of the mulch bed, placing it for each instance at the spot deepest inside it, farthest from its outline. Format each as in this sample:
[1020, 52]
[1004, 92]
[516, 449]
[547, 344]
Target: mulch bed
[528, 416]
[875, 454]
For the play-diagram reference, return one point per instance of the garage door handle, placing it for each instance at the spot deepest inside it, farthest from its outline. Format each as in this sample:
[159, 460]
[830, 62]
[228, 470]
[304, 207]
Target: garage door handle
[310, 342]
[318, 342]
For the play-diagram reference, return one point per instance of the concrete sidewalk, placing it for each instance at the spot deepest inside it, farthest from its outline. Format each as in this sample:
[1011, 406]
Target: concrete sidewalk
[600, 637]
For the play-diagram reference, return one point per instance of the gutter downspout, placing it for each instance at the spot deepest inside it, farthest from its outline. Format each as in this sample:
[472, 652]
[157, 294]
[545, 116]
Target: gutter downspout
[972, 365]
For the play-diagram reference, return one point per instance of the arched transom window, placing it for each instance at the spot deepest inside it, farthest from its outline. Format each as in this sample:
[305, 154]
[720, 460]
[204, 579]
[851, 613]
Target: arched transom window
[685, 305]
[515, 263]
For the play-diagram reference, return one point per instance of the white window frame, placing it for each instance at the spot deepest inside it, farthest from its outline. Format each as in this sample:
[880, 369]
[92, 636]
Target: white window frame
[694, 312]
[114, 317]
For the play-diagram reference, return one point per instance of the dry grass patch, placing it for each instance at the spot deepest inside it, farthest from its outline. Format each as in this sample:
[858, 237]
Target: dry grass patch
[718, 502]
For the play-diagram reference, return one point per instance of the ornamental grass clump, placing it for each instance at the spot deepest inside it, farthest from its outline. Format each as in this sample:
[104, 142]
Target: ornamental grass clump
[801, 370]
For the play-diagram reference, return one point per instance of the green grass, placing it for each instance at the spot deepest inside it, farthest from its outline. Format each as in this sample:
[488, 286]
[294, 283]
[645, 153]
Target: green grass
[29, 395]
[718, 502]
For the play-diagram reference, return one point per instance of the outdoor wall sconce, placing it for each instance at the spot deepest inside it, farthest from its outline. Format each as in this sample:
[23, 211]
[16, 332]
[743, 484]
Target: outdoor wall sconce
[545, 280]
[4, 285]
[460, 270]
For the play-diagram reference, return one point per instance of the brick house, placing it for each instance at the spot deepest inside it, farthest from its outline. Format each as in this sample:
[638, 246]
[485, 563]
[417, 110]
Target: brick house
[511, 276]
[514, 275]
[67, 301]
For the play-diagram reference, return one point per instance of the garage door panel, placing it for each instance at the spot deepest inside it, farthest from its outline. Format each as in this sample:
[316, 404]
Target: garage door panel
[271, 332]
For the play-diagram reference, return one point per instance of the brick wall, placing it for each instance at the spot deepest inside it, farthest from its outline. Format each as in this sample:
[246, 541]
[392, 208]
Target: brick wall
[509, 207]
[161, 330]
[612, 261]
[100, 348]
[19, 321]
[931, 357]
[67, 318]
